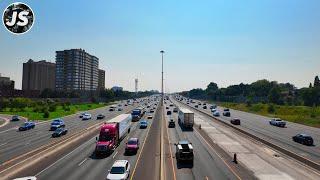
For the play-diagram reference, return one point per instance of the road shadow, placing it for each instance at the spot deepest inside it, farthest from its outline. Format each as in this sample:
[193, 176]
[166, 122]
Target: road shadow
[95, 156]
[181, 165]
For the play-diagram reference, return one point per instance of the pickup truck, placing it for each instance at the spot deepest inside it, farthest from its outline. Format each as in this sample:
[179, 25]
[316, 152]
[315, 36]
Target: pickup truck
[184, 152]
[277, 122]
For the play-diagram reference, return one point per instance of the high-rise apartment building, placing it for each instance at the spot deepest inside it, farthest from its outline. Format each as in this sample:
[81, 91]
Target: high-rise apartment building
[76, 70]
[102, 78]
[6, 87]
[38, 76]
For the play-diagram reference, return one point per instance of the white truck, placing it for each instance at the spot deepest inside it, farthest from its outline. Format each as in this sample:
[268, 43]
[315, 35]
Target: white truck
[186, 118]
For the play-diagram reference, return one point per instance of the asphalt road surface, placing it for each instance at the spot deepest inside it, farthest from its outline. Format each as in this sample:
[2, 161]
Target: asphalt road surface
[82, 163]
[207, 163]
[259, 126]
[14, 143]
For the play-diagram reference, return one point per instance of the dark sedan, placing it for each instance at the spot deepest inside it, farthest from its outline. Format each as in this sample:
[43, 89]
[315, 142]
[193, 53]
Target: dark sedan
[59, 132]
[27, 126]
[235, 121]
[303, 139]
[101, 116]
[15, 118]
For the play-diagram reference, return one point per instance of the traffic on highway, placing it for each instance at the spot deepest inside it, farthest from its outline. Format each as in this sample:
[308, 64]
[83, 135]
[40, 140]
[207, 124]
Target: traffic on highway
[174, 139]
[160, 90]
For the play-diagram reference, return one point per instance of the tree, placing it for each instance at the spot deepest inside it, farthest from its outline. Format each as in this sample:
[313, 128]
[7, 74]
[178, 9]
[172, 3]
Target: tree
[275, 95]
[310, 85]
[47, 93]
[212, 87]
[316, 82]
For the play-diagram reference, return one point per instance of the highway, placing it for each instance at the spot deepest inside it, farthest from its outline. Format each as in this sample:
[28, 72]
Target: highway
[207, 162]
[11, 124]
[15, 143]
[214, 145]
[259, 126]
[262, 160]
[81, 163]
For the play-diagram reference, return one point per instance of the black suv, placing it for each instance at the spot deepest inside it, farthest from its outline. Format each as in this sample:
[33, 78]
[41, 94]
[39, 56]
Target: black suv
[303, 139]
[171, 124]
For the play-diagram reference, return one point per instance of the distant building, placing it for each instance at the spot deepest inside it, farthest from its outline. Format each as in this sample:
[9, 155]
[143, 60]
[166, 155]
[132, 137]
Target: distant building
[76, 70]
[38, 76]
[116, 88]
[102, 79]
[6, 87]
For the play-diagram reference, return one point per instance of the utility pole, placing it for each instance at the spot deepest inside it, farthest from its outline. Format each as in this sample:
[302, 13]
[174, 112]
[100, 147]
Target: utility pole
[162, 94]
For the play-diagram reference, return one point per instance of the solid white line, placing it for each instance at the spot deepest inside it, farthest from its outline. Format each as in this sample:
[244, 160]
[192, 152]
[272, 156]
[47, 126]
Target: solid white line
[115, 155]
[13, 128]
[62, 158]
[82, 162]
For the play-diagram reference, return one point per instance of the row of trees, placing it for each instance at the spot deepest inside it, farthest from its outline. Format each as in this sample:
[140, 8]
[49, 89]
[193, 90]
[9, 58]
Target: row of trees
[49, 104]
[260, 91]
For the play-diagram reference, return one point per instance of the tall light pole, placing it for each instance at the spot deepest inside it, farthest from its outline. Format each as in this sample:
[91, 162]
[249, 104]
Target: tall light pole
[162, 98]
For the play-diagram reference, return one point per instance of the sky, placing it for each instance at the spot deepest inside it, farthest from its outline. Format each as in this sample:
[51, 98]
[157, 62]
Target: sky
[227, 42]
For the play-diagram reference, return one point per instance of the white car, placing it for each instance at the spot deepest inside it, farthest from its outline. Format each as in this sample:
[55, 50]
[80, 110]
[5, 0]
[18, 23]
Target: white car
[86, 116]
[213, 110]
[216, 113]
[119, 170]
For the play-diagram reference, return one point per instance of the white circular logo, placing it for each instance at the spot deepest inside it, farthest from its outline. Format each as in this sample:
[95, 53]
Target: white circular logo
[18, 18]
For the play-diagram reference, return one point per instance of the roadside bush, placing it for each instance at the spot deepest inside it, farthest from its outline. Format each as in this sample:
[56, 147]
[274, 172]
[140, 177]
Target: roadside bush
[248, 103]
[46, 114]
[256, 107]
[66, 108]
[271, 108]
[52, 107]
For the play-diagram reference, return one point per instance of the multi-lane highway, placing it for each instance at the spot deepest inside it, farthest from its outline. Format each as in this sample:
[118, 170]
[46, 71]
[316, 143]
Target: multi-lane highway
[82, 162]
[259, 126]
[208, 164]
[15, 143]
[214, 145]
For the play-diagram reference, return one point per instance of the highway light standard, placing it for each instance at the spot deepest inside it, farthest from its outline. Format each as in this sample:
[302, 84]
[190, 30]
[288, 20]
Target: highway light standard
[162, 77]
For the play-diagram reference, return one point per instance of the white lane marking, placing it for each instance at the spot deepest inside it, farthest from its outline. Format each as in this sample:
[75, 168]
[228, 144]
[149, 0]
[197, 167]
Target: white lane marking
[3, 144]
[63, 157]
[28, 143]
[14, 128]
[82, 162]
[115, 155]
[6, 121]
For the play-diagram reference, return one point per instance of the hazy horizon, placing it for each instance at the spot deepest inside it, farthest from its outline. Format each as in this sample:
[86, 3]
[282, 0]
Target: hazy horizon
[223, 42]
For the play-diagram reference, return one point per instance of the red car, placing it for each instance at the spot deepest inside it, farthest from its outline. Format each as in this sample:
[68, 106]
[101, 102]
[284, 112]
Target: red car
[132, 146]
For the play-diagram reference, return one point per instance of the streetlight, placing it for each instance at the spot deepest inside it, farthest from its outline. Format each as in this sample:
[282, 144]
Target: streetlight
[162, 76]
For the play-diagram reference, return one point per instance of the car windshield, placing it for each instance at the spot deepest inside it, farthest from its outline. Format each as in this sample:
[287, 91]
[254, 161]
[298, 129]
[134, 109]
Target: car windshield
[105, 138]
[117, 170]
[58, 130]
[132, 142]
